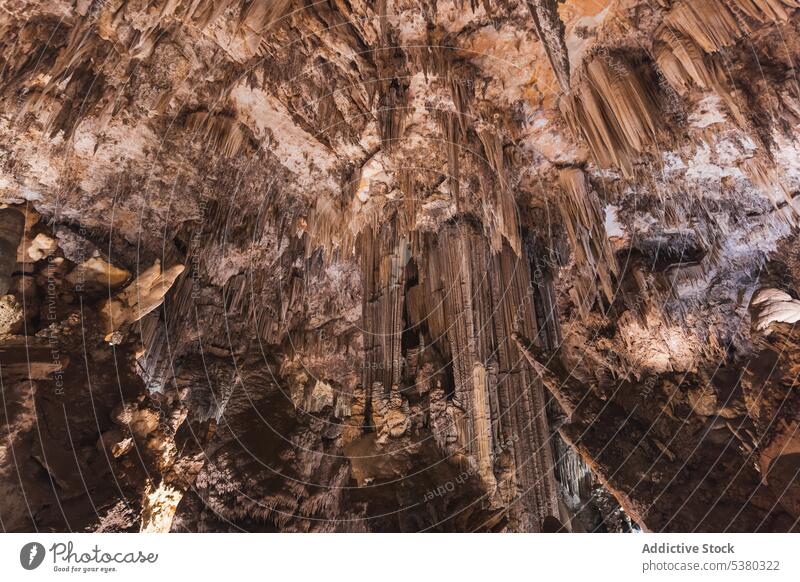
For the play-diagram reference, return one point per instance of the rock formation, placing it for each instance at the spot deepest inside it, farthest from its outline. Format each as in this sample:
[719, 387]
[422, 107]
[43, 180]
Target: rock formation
[404, 265]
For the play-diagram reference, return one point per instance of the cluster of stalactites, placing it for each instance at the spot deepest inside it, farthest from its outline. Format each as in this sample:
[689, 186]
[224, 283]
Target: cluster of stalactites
[687, 54]
[464, 302]
[254, 18]
[124, 30]
[496, 204]
[384, 255]
[583, 217]
[614, 103]
[715, 24]
[224, 133]
[693, 33]
[614, 110]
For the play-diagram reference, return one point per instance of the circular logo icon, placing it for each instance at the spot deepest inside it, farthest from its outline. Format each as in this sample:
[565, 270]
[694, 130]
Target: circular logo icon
[31, 555]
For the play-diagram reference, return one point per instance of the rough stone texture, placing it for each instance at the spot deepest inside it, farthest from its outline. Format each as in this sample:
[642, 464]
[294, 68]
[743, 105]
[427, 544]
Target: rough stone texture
[399, 266]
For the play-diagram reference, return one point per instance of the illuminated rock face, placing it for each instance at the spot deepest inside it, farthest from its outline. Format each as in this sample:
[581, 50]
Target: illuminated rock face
[399, 266]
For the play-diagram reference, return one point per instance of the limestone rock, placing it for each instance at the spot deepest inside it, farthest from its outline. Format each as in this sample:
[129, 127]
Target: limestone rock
[116, 442]
[97, 272]
[11, 315]
[771, 305]
[41, 247]
[142, 296]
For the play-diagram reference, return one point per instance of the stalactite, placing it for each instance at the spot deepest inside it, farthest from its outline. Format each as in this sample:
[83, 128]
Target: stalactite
[327, 229]
[544, 294]
[710, 24]
[452, 133]
[550, 30]
[456, 74]
[715, 24]
[392, 113]
[614, 110]
[384, 255]
[222, 132]
[584, 220]
[502, 219]
[407, 182]
[499, 207]
[683, 63]
[260, 15]
[485, 297]
[763, 174]
[492, 144]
